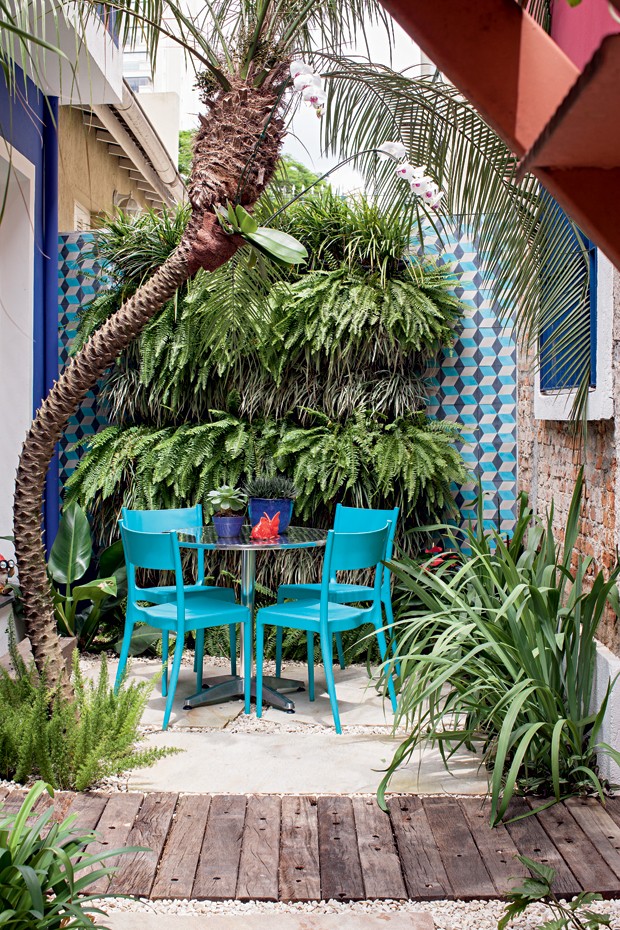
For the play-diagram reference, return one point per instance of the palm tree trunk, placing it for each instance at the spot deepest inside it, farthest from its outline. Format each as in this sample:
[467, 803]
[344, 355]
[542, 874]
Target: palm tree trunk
[235, 154]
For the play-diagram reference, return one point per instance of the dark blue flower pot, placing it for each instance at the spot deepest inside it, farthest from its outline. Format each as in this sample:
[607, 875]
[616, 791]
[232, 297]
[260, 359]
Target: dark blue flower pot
[228, 526]
[258, 506]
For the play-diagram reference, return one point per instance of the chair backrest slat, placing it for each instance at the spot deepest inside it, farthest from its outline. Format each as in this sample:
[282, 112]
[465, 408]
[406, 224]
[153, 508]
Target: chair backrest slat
[355, 551]
[363, 520]
[162, 521]
[149, 550]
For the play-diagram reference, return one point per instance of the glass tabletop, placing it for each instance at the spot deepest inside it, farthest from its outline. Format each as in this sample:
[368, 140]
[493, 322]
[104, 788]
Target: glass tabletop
[296, 537]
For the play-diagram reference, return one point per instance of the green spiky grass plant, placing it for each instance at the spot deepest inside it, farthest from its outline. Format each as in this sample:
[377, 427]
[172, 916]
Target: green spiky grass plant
[499, 654]
[71, 745]
[40, 888]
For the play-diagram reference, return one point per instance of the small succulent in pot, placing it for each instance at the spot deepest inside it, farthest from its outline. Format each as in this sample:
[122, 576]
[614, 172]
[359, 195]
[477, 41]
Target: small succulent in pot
[226, 502]
[270, 494]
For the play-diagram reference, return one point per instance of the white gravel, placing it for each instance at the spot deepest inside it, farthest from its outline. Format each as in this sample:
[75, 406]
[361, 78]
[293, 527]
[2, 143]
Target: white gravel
[448, 915]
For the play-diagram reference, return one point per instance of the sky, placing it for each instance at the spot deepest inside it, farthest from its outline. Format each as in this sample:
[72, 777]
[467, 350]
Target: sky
[303, 140]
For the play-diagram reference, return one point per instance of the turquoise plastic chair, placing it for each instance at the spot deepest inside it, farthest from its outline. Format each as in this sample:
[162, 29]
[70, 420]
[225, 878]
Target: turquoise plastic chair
[347, 520]
[163, 521]
[198, 612]
[325, 617]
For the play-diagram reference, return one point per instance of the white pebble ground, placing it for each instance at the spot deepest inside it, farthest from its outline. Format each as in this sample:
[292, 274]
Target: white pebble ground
[448, 915]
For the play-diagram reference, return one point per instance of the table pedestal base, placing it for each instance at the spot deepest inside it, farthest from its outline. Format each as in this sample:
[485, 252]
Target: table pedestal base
[230, 688]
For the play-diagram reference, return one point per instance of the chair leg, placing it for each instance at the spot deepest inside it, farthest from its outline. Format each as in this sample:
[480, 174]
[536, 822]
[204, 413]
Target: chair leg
[199, 656]
[383, 650]
[174, 677]
[389, 616]
[279, 637]
[328, 659]
[340, 651]
[260, 644]
[310, 647]
[247, 664]
[164, 663]
[122, 660]
[232, 634]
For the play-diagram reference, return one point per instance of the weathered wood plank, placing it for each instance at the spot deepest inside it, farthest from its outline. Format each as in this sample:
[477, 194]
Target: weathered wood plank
[178, 864]
[339, 860]
[600, 829]
[218, 865]
[88, 809]
[423, 870]
[260, 850]
[14, 800]
[299, 878]
[462, 861]
[113, 831]
[136, 872]
[584, 861]
[532, 841]
[381, 870]
[495, 845]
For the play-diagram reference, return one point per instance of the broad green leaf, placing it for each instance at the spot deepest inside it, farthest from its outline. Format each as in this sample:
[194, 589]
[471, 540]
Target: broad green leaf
[72, 549]
[246, 221]
[279, 244]
[95, 591]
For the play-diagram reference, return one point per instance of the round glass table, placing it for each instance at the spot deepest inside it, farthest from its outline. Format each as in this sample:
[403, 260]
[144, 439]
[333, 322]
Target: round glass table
[231, 687]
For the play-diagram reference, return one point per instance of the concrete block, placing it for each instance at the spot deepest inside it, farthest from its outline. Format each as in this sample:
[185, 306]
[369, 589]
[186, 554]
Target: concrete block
[607, 668]
[345, 920]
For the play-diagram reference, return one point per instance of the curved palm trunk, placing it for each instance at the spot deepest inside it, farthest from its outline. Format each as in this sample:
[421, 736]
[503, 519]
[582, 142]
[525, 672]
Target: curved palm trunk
[235, 153]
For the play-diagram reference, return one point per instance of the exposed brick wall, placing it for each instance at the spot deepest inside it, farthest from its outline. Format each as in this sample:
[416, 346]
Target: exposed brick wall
[549, 460]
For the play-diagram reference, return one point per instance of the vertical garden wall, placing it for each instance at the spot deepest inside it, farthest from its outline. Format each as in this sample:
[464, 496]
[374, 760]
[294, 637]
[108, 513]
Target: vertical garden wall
[475, 382]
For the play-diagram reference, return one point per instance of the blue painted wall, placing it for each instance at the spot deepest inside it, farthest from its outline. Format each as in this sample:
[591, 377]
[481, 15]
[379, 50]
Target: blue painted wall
[28, 122]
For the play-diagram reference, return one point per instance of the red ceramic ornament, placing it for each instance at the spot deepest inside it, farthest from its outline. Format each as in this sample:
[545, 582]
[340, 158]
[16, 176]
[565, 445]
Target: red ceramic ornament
[266, 528]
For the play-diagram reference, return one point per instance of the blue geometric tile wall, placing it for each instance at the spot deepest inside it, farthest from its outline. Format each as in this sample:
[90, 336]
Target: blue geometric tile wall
[475, 382]
[476, 385]
[79, 278]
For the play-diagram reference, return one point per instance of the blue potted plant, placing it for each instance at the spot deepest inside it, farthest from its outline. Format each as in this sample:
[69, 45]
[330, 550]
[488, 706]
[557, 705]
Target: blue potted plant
[269, 495]
[226, 502]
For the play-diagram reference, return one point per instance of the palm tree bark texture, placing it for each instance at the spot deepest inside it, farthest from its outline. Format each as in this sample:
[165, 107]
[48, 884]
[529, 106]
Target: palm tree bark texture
[235, 154]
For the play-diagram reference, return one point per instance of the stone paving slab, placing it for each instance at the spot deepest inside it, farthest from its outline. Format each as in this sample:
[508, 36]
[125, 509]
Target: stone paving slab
[353, 920]
[281, 762]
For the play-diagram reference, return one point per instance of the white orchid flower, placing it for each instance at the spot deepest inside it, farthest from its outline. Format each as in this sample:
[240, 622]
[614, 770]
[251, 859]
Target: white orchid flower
[434, 201]
[314, 96]
[299, 67]
[306, 80]
[393, 150]
[405, 170]
[420, 184]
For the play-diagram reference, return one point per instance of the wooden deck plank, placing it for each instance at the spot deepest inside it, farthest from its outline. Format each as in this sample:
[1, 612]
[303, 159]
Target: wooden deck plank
[299, 878]
[581, 856]
[339, 860]
[463, 863]
[381, 869]
[495, 845]
[218, 865]
[600, 829]
[179, 861]
[88, 809]
[14, 800]
[423, 870]
[113, 831]
[532, 841]
[260, 850]
[136, 872]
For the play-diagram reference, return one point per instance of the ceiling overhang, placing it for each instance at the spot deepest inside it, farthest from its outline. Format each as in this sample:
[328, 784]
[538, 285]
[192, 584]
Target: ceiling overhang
[562, 123]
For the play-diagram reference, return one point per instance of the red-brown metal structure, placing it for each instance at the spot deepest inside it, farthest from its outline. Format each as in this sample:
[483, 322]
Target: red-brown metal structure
[564, 124]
